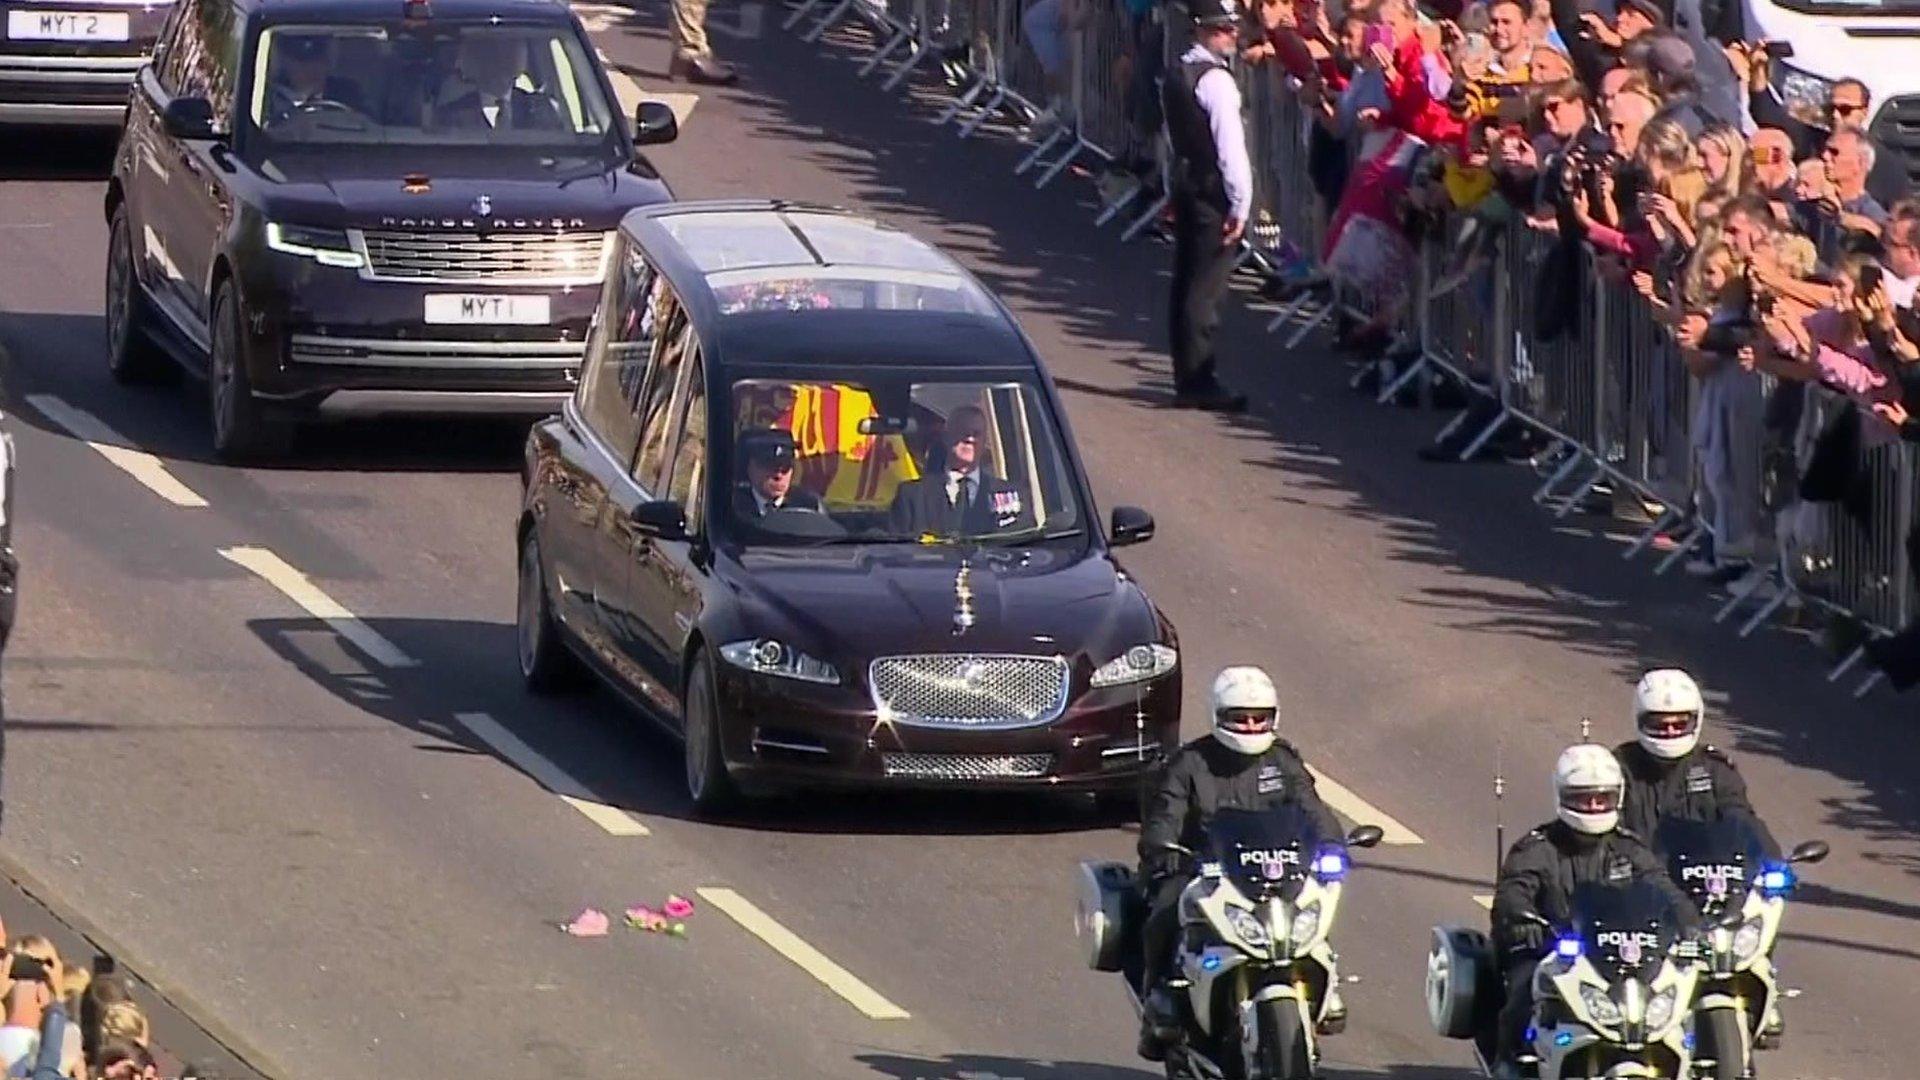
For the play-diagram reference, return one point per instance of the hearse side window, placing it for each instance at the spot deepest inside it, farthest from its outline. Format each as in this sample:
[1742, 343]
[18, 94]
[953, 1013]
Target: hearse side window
[666, 385]
[690, 457]
[618, 352]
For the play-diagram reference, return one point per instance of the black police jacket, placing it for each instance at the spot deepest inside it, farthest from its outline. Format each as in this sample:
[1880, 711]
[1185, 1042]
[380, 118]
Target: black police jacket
[1542, 871]
[1703, 786]
[1206, 776]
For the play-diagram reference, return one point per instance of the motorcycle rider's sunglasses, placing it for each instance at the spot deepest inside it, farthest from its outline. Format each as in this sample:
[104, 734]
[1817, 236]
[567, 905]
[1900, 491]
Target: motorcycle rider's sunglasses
[1591, 800]
[1247, 721]
[1667, 725]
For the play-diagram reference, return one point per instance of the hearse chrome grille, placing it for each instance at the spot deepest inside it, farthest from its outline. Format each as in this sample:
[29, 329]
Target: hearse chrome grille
[496, 258]
[960, 690]
[966, 766]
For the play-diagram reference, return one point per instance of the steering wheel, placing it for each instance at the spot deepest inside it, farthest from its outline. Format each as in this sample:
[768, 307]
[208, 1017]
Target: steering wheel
[319, 105]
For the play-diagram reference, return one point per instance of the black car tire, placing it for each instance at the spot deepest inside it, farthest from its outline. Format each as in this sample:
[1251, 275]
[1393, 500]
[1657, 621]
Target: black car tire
[132, 356]
[709, 785]
[242, 428]
[546, 664]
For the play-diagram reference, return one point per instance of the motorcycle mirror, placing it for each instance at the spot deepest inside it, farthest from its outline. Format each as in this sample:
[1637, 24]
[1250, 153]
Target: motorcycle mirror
[1365, 836]
[1812, 851]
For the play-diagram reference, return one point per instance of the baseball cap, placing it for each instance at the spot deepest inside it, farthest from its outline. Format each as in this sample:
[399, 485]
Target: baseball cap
[1669, 56]
[767, 446]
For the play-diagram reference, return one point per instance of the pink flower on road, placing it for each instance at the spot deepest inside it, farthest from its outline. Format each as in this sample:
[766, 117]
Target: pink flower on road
[591, 922]
[678, 907]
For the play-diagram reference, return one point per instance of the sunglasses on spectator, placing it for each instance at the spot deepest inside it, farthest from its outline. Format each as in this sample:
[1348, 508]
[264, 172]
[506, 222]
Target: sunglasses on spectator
[1839, 108]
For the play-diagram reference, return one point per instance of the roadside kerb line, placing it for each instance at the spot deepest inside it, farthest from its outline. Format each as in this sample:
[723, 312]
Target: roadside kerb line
[110, 444]
[1358, 811]
[281, 575]
[612, 819]
[786, 943]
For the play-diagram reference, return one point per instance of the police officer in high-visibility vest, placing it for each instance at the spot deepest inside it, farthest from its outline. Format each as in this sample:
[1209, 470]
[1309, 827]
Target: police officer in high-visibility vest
[1212, 193]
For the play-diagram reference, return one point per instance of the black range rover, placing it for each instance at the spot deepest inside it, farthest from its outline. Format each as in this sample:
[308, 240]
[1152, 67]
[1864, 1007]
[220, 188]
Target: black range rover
[334, 207]
[69, 62]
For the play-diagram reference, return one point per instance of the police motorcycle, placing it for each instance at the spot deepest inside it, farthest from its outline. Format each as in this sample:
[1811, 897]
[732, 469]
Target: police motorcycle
[1255, 965]
[1612, 1000]
[1718, 865]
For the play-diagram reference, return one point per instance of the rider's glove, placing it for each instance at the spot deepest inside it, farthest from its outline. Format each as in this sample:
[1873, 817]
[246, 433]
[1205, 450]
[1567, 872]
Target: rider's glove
[1527, 938]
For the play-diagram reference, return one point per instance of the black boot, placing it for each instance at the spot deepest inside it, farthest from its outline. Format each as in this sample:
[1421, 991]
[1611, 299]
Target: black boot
[1158, 1026]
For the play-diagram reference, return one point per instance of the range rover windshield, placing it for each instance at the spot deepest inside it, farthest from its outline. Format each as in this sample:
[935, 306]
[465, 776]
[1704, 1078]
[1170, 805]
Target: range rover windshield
[907, 459]
[438, 83]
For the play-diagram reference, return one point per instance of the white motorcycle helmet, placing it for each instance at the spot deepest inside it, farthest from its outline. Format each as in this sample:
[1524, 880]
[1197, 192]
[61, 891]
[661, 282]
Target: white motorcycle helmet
[1587, 789]
[1244, 707]
[1668, 712]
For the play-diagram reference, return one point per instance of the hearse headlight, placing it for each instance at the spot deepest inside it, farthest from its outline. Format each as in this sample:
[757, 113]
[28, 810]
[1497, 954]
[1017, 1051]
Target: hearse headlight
[766, 656]
[1138, 664]
[328, 247]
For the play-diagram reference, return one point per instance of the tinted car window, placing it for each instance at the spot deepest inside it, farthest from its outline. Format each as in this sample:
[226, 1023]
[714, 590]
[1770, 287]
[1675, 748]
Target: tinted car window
[665, 385]
[861, 445]
[690, 457]
[726, 241]
[618, 353]
[846, 288]
[177, 46]
[210, 65]
[440, 83]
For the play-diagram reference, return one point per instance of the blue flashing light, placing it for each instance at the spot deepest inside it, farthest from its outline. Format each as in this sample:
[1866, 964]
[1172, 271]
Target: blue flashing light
[1210, 963]
[1687, 1039]
[1532, 1033]
[1330, 866]
[1565, 1038]
[1567, 948]
[1776, 880]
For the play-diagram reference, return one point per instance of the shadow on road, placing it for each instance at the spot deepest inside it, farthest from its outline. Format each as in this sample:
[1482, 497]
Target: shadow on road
[40, 154]
[619, 757]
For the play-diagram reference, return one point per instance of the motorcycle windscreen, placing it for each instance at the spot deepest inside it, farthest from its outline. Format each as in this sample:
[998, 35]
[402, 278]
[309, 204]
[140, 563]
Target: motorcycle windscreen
[1265, 852]
[1713, 862]
[1626, 930]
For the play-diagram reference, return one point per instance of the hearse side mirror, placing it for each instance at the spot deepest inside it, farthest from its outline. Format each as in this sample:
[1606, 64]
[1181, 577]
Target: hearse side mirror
[662, 519]
[1366, 836]
[1810, 852]
[189, 118]
[1131, 525]
[653, 124]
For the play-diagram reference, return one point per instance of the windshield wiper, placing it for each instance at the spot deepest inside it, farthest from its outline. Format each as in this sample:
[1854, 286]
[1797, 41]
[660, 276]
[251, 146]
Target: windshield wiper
[1030, 536]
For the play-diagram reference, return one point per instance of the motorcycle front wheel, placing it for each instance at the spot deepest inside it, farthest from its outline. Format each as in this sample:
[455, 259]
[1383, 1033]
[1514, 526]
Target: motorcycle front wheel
[1281, 1053]
[1723, 1036]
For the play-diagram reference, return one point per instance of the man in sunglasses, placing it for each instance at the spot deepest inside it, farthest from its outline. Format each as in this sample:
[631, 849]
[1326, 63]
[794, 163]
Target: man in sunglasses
[1584, 845]
[1669, 773]
[1242, 764]
[1849, 108]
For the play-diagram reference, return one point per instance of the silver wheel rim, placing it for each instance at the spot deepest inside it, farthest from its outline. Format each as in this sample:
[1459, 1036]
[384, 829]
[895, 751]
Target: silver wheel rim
[530, 609]
[697, 738]
[117, 292]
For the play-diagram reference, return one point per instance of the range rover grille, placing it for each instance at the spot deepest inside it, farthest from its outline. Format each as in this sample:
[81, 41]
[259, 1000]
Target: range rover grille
[545, 258]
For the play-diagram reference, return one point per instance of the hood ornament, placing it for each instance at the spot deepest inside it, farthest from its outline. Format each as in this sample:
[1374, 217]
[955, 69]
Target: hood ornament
[483, 205]
[963, 599]
[415, 184]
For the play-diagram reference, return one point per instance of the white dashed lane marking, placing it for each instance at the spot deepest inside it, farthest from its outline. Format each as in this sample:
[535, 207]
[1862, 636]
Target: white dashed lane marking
[110, 444]
[278, 573]
[788, 944]
[612, 819]
[1358, 811]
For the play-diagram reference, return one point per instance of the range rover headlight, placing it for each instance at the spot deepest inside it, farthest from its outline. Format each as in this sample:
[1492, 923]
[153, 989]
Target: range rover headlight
[1599, 1005]
[328, 247]
[1248, 928]
[1138, 664]
[765, 656]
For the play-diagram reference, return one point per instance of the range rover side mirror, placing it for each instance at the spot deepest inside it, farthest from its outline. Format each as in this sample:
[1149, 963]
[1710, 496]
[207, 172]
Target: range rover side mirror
[1366, 836]
[653, 124]
[189, 118]
[1131, 525]
[1811, 851]
[662, 519]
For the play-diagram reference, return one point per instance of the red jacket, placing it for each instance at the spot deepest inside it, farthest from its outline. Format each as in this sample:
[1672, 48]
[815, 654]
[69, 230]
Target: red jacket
[1414, 109]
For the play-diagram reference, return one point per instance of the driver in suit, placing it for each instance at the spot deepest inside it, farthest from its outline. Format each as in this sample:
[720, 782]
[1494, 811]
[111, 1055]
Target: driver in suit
[962, 498]
[486, 90]
[305, 77]
[768, 453]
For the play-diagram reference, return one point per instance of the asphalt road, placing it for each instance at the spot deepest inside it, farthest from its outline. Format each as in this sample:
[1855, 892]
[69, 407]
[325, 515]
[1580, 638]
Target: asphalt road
[318, 846]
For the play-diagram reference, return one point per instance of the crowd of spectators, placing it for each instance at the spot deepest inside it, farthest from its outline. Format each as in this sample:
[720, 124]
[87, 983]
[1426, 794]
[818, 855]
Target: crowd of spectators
[65, 1021]
[1775, 248]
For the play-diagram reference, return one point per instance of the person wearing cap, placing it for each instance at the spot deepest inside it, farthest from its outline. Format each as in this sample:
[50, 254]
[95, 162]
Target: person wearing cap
[304, 77]
[1212, 189]
[769, 486]
[1242, 764]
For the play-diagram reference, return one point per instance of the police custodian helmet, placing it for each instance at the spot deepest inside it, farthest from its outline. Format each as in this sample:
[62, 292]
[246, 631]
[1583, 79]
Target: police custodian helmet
[1216, 13]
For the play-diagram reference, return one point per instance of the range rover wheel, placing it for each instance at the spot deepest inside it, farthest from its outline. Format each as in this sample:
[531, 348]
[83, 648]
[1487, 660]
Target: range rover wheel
[708, 784]
[242, 429]
[132, 357]
[546, 664]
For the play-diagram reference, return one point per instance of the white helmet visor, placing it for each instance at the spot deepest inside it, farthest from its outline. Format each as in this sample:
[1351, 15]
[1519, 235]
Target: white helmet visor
[1591, 800]
[1245, 721]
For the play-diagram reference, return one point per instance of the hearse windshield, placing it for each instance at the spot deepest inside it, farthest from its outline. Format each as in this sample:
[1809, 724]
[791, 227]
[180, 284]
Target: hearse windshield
[428, 84]
[908, 459]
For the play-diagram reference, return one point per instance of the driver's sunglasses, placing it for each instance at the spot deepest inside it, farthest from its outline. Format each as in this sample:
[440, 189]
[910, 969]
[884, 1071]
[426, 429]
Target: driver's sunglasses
[1254, 719]
[1667, 723]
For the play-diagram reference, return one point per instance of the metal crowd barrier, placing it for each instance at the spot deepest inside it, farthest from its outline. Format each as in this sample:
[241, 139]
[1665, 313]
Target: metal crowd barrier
[1609, 392]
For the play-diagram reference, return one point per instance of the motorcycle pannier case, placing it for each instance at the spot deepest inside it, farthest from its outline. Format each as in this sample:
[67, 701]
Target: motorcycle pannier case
[1108, 907]
[1463, 989]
